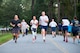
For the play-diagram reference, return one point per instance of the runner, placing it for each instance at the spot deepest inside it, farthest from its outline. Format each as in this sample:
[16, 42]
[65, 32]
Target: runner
[27, 29]
[15, 23]
[75, 28]
[79, 33]
[60, 29]
[24, 27]
[34, 23]
[43, 21]
[53, 25]
[65, 24]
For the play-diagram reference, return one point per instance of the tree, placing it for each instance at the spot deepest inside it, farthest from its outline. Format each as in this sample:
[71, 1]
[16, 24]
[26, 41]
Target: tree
[51, 9]
[27, 8]
[9, 9]
[39, 7]
[78, 11]
[32, 6]
[67, 8]
[1, 2]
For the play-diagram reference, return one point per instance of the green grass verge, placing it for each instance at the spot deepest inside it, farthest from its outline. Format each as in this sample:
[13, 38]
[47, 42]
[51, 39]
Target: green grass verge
[5, 37]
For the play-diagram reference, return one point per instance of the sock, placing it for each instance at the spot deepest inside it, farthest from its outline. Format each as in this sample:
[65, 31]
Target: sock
[44, 38]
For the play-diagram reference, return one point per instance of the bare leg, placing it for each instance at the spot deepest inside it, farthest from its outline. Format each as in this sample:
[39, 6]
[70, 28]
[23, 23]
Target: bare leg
[13, 36]
[23, 32]
[60, 33]
[66, 36]
[78, 38]
[53, 33]
[16, 37]
[73, 39]
[43, 32]
[33, 33]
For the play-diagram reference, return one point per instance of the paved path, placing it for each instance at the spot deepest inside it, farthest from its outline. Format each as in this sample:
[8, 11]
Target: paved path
[52, 45]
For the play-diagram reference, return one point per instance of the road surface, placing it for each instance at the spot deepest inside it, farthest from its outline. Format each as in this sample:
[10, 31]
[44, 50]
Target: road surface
[52, 45]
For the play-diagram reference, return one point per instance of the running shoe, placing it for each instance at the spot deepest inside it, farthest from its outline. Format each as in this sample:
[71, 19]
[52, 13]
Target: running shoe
[66, 41]
[43, 40]
[13, 37]
[15, 41]
[23, 35]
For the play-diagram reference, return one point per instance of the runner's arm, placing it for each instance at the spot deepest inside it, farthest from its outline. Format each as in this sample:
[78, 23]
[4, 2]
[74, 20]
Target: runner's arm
[12, 25]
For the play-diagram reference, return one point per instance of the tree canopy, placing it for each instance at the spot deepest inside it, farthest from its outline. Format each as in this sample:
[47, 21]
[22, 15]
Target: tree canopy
[25, 9]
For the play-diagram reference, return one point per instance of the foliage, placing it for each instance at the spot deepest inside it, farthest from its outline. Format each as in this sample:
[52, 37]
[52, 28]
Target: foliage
[78, 11]
[67, 8]
[8, 8]
[5, 37]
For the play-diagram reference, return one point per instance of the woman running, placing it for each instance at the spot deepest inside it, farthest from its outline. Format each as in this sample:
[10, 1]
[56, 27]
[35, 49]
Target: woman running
[34, 23]
[24, 27]
[43, 21]
[15, 23]
[53, 25]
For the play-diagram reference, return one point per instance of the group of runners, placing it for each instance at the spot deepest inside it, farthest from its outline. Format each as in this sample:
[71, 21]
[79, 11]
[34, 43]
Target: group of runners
[43, 23]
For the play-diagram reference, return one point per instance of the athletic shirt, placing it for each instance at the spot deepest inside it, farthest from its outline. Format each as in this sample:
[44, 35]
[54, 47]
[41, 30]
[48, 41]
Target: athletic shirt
[24, 25]
[65, 22]
[15, 22]
[53, 24]
[34, 23]
[42, 20]
[75, 22]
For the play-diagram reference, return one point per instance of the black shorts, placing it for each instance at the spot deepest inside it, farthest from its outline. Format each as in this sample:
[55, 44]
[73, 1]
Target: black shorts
[65, 28]
[15, 30]
[34, 29]
[60, 29]
[53, 29]
[44, 27]
[75, 31]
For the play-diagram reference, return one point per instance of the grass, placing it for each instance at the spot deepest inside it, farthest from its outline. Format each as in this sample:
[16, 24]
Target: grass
[5, 37]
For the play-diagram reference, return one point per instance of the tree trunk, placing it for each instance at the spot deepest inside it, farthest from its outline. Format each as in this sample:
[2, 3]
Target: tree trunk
[50, 13]
[58, 19]
[32, 6]
[50, 9]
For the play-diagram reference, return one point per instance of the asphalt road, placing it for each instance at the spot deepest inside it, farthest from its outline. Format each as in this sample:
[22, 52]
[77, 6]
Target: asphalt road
[52, 45]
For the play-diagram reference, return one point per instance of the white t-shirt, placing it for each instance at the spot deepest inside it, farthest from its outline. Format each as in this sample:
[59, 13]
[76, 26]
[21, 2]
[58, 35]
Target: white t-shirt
[23, 24]
[42, 20]
[34, 23]
[53, 24]
[65, 22]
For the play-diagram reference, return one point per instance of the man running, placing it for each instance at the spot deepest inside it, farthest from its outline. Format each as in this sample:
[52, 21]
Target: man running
[34, 23]
[60, 29]
[65, 24]
[15, 23]
[75, 28]
[43, 21]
